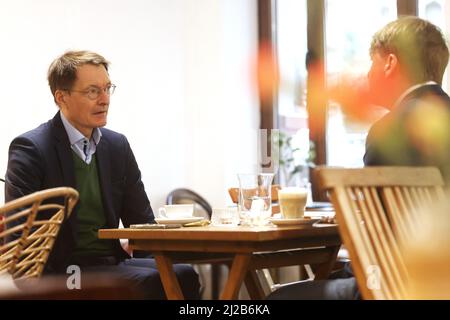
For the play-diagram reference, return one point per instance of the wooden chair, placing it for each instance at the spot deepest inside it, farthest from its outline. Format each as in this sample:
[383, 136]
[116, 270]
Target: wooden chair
[234, 195]
[377, 212]
[32, 222]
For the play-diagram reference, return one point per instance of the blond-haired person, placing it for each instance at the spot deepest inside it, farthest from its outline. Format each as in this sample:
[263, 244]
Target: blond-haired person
[409, 57]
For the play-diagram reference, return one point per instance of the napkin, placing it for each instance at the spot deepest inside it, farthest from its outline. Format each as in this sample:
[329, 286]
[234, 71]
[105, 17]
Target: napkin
[201, 223]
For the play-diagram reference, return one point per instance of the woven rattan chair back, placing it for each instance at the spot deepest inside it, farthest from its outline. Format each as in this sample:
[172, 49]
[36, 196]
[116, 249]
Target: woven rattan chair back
[31, 225]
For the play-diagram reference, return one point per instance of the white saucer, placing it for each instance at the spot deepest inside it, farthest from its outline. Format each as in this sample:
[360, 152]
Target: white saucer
[178, 221]
[293, 222]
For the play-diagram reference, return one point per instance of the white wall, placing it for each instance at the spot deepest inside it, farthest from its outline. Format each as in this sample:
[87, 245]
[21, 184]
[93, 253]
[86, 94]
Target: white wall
[184, 94]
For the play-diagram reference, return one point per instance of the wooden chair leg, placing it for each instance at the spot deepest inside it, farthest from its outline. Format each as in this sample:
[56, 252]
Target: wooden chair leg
[253, 284]
[215, 281]
[323, 270]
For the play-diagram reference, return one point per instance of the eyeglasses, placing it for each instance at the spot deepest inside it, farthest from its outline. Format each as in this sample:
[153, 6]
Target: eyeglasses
[93, 92]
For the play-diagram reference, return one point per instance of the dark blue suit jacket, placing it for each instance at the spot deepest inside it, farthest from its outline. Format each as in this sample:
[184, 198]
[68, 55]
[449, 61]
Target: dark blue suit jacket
[407, 137]
[42, 159]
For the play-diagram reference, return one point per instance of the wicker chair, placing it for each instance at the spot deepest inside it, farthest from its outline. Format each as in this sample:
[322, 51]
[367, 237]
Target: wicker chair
[31, 224]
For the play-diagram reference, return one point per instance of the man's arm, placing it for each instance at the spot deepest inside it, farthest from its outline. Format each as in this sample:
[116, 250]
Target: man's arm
[25, 172]
[371, 157]
[388, 144]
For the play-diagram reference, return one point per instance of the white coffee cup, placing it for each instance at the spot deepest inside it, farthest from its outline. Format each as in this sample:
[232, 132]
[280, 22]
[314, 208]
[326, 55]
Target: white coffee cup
[292, 202]
[176, 211]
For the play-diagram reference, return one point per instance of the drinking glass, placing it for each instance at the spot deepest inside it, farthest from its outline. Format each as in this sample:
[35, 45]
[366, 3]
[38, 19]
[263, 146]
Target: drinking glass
[255, 199]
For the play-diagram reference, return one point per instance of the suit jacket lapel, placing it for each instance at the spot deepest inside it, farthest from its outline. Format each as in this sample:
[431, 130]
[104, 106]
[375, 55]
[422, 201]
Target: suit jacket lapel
[64, 152]
[104, 171]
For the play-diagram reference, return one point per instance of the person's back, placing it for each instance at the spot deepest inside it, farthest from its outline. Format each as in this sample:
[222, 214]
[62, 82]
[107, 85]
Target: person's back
[416, 133]
[409, 57]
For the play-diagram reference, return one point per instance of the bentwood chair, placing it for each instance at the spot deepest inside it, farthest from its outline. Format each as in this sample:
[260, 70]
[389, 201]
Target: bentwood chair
[30, 226]
[377, 209]
[203, 208]
[186, 196]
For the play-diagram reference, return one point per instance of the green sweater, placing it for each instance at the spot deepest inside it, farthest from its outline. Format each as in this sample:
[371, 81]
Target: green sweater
[90, 212]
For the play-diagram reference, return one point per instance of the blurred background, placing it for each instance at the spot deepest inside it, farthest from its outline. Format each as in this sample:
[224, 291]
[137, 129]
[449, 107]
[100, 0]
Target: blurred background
[184, 97]
[197, 79]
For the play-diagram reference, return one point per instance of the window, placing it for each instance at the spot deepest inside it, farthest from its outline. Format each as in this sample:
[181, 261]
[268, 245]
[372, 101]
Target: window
[434, 11]
[348, 40]
[346, 51]
[348, 29]
[291, 50]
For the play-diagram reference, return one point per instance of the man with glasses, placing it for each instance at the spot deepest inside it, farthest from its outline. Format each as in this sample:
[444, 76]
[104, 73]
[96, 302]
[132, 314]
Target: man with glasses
[73, 149]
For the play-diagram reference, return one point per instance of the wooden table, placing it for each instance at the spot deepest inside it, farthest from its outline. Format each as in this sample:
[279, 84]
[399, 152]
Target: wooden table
[246, 249]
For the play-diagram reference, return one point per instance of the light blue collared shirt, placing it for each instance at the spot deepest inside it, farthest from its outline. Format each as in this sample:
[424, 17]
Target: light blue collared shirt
[82, 147]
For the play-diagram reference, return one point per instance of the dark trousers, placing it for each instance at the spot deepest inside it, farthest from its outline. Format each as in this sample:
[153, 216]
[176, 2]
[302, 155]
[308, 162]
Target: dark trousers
[144, 275]
[341, 285]
[336, 289]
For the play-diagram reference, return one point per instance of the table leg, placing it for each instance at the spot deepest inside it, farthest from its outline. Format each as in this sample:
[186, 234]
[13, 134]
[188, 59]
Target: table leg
[322, 271]
[237, 274]
[168, 277]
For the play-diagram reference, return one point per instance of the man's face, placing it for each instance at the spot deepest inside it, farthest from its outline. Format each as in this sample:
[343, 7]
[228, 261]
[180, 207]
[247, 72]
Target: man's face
[82, 112]
[378, 82]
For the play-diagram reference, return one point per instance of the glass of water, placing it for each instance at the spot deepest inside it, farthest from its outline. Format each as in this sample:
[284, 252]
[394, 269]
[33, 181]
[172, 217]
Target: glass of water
[255, 198]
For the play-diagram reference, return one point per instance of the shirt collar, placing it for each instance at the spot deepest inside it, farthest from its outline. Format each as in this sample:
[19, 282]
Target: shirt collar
[75, 135]
[411, 89]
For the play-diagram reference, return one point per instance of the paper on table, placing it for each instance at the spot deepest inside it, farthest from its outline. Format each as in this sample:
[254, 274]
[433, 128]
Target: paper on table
[201, 223]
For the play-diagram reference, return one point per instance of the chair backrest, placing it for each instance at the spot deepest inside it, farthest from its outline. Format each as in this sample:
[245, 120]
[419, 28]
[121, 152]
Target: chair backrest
[377, 211]
[182, 196]
[234, 195]
[2, 181]
[32, 222]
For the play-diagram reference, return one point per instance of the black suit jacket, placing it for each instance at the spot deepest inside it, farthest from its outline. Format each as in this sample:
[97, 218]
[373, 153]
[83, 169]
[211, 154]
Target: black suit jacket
[42, 159]
[416, 133]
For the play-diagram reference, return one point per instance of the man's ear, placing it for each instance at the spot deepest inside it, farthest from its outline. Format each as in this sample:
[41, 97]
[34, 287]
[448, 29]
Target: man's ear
[60, 97]
[391, 65]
